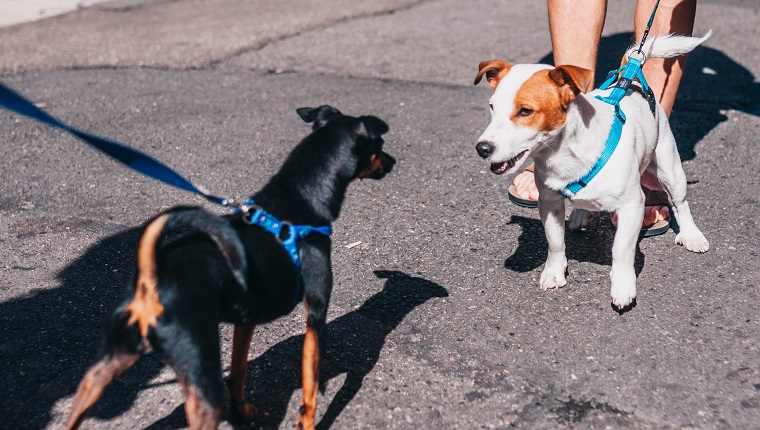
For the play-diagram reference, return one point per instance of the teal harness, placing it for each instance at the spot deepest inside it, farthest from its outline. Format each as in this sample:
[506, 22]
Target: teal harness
[627, 74]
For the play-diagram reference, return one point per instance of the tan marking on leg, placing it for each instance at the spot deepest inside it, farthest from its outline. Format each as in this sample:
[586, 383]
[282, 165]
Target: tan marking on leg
[145, 307]
[241, 341]
[200, 414]
[310, 375]
[94, 382]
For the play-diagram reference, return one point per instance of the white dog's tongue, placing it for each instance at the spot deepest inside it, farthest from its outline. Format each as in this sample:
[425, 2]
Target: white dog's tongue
[503, 166]
[500, 168]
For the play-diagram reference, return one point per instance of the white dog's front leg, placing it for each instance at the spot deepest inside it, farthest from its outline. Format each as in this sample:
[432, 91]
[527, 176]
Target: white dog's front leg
[551, 207]
[623, 275]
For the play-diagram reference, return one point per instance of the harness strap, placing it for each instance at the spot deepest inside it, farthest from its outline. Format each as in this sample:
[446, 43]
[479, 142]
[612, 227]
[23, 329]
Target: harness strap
[609, 147]
[257, 216]
[622, 79]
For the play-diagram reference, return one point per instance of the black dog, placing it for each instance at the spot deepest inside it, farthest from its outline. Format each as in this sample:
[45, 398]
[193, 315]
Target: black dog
[195, 270]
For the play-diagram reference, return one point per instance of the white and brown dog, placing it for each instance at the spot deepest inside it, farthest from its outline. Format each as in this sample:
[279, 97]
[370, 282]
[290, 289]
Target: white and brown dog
[540, 112]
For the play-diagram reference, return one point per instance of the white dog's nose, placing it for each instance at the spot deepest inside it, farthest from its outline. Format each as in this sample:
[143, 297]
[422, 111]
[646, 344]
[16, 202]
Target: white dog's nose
[484, 148]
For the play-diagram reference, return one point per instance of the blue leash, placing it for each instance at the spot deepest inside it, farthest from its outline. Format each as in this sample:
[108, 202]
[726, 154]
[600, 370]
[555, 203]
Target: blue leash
[132, 158]
[153, 168]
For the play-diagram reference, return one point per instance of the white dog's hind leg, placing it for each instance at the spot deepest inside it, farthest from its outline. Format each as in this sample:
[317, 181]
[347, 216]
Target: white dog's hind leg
[623, 275]
[551, 207]
[669, 171]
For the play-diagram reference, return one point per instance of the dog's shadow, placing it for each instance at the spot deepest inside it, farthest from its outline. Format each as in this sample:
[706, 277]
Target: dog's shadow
[712, 82]
[50, 337]
[593, 245]
[355, 341]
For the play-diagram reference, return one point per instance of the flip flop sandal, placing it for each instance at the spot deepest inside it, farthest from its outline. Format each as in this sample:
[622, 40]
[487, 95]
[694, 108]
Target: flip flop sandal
[655, 198]
[519, 201]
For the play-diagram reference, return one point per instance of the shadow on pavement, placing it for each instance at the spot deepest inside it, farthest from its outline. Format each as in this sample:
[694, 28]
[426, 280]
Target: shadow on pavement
[594, 245]
[50, 337]
[712, 82]
[355, 341]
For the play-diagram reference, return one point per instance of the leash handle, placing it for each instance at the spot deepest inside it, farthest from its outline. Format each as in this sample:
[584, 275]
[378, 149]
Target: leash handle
[132, 158]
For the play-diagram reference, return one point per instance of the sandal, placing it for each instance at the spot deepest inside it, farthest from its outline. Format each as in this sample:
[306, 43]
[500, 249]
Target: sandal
[654, 198]
[519, 201]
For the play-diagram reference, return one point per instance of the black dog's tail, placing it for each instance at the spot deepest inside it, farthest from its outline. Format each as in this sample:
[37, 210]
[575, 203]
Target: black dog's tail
[123, 344]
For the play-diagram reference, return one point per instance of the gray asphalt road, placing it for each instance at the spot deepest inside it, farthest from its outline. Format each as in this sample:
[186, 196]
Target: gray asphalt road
[437, 320]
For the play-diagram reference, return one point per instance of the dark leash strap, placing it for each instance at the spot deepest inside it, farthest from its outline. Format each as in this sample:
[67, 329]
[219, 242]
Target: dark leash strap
[132, 158]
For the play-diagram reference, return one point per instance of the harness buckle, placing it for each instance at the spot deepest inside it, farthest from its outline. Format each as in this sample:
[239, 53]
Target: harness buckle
[248, 211]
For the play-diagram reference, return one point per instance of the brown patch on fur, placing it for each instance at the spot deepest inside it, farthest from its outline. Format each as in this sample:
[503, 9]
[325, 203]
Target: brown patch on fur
[310, 376]
[494, 70]
[542, 96]
[375, 164]
[94, 382]
[145, 307]
[378, 163]
[200, 414]
[547, 94]
[573, 80]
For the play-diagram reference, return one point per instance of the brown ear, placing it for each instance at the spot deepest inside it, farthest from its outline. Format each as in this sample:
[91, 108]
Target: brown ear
[572, 81]
[494, 71]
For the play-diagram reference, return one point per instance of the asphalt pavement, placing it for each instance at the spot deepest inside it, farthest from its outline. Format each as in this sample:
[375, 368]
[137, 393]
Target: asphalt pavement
[436, 320]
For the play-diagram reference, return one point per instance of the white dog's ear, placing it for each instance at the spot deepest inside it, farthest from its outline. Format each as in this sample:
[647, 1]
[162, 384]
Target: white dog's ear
[571, 80]
[494, 71]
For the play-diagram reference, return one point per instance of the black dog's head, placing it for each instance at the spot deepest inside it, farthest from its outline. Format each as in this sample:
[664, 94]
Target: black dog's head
[373, 162]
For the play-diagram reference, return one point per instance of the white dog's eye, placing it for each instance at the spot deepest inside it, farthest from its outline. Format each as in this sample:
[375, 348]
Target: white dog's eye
[524, 112]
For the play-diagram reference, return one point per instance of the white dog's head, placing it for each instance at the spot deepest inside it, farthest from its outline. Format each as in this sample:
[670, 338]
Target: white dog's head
[528, 108]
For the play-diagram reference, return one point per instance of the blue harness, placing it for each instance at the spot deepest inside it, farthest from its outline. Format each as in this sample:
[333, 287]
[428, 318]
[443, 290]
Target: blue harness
[255, 215]
[628, 73]
[153, 168]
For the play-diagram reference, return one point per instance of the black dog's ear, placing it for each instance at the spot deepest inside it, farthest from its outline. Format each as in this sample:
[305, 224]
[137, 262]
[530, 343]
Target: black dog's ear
[371, 126]
[319, 116]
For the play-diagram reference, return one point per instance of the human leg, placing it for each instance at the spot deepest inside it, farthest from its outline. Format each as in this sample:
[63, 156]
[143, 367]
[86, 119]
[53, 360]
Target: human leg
[663, 74]
[575, 31]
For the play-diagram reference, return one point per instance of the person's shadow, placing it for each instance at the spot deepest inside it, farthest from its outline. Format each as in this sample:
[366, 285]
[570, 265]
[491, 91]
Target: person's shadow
[355, 341]
[711, 82]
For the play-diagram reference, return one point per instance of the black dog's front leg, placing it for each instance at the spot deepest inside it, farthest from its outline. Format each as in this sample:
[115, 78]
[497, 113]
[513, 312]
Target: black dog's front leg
[317, 278]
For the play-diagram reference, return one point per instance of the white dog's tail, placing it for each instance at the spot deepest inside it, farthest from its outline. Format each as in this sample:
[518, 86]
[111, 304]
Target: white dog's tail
[671, 45]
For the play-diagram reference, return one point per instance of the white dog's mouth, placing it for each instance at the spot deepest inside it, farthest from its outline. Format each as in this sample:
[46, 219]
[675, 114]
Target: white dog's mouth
[503, 166]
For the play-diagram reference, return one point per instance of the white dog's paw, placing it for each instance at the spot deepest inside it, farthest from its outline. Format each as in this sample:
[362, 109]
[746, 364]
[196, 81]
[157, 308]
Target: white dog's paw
[553, 278]
[578, 220]
[693, 240]
[623, 293]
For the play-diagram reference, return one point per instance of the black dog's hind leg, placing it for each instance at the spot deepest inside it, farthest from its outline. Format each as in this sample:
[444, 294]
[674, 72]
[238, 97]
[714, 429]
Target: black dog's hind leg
[317, 276]
[95, 381]
[190, 346]
[241, 342]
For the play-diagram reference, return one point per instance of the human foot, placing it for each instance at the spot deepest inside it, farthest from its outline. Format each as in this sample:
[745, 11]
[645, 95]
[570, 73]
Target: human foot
[656, 213]
[523, 191]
